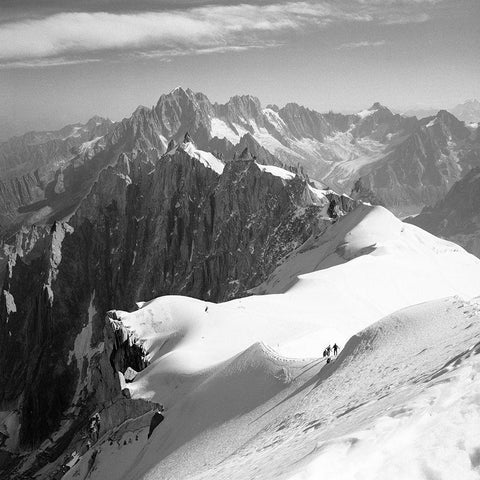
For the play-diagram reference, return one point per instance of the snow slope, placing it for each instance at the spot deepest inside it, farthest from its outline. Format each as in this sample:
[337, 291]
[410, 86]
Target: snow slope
[277, 171]
[206, 158]
[242, 401]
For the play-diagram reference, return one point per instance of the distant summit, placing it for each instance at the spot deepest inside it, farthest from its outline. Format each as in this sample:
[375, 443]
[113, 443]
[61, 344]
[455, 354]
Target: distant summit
[468, 111]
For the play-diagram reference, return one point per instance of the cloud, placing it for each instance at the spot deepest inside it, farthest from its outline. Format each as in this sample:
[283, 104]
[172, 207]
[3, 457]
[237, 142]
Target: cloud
[352, 45]
[401, 19]
[47, 62]
[212, 28]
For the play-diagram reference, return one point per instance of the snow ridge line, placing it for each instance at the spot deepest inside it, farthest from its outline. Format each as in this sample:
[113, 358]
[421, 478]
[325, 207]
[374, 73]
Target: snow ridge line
[274, 355]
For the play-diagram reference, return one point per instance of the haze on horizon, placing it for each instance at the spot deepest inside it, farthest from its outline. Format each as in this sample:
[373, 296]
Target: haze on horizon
[64, 61]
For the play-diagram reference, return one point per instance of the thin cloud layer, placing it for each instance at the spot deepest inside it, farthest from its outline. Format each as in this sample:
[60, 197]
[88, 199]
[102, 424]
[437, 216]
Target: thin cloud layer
[365, 44]
[74, 35]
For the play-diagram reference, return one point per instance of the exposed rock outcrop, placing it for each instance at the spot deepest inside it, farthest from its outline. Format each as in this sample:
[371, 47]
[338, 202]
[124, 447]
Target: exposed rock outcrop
[457, 216]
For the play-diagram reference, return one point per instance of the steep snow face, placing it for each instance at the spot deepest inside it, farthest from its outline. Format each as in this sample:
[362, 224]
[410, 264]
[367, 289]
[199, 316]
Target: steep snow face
[242, 401]
[206, 158]
[277, 171]
[220, 129]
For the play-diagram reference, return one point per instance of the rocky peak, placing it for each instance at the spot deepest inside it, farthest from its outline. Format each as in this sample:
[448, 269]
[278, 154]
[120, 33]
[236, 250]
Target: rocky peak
[245, 154]
[468, 111]
[449, 125]
[363, 193]
[187, 138]
[171, 145]
[378, 106]
[240, 109]
[182, 110]
[246, 103]
[304, 122]
[97, 121]
[273, 107]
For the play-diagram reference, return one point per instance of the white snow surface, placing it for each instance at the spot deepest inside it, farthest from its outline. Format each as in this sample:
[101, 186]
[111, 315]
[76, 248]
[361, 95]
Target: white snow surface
[366, 113]
[206, 158]
[220, 129]
[277, 171]
[9, 302]
[248, 395]
[87, 146]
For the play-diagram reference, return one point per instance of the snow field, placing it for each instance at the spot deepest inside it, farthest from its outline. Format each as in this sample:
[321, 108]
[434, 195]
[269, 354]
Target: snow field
[247, 395]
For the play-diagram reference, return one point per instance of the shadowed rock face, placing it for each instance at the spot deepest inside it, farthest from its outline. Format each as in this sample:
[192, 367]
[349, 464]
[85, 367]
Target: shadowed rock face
[423, 167]
[457, 216]
[150, 226]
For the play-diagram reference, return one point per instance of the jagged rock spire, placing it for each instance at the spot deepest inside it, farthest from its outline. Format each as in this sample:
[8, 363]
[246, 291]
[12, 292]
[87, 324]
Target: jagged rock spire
[171, 145]
[245, 155]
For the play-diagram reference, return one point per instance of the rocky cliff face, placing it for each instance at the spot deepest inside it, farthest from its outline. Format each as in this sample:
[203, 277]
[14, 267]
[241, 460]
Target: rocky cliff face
[151, 225]
[457, 216]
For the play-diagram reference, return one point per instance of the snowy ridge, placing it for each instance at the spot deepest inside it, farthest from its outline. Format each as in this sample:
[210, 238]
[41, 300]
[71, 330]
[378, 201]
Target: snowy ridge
[206, 158]
[277, 171]
[242, 401]
[366, 113]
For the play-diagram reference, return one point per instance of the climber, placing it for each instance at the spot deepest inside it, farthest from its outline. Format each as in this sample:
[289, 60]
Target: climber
[335, 349]
[156, 419]
[329, 348]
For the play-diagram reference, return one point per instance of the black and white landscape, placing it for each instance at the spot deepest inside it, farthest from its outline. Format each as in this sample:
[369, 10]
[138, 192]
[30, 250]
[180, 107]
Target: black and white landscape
[174, 280]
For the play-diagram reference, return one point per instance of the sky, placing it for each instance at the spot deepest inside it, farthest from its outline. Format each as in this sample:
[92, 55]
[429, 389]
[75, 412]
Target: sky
[62, 61]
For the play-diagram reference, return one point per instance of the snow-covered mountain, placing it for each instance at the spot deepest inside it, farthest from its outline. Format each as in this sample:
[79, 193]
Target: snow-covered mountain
[406, 163]
[424, 165]
[469, 111]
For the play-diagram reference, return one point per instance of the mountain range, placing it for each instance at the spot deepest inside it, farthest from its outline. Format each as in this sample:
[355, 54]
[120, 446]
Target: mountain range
[468, 112]
[405, 162]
